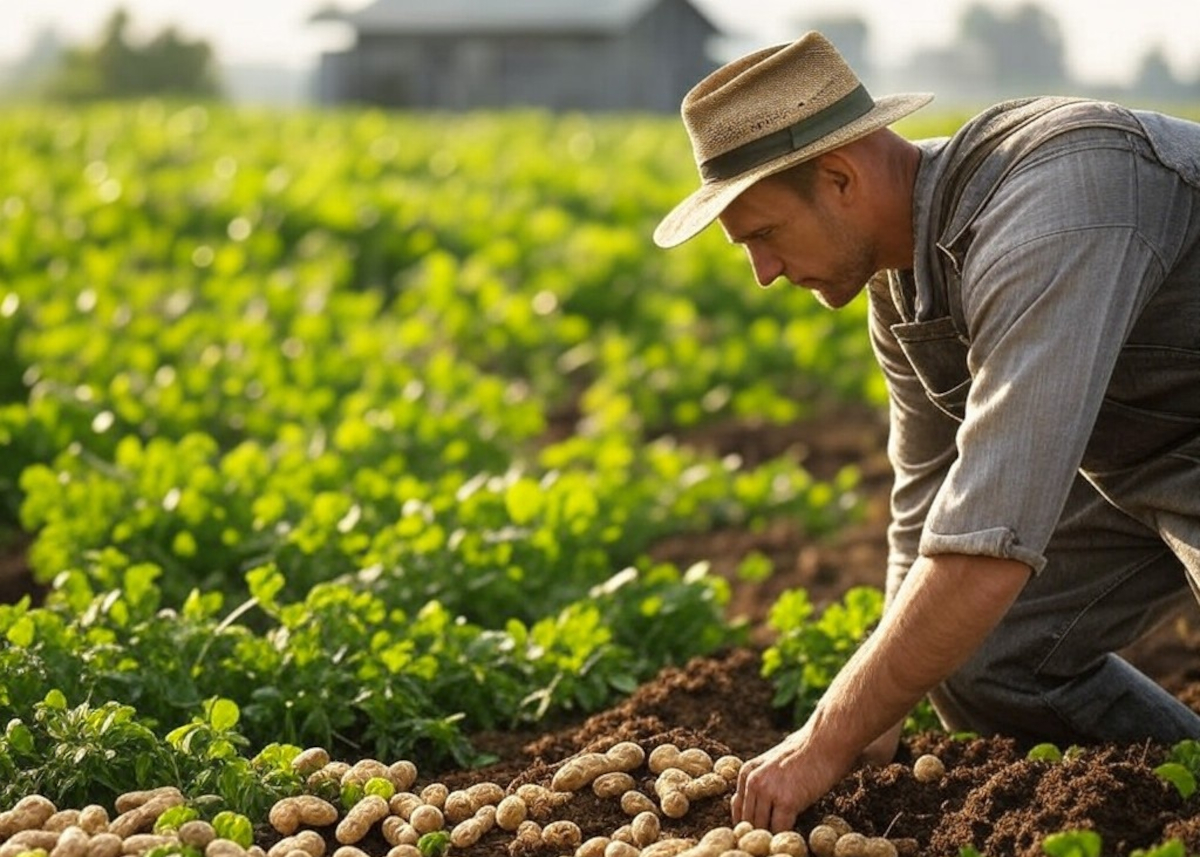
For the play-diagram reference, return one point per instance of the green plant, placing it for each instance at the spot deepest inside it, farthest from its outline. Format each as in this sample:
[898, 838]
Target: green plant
[809, 651]
[1182, 767]
[1172, 848]
[1073, 843]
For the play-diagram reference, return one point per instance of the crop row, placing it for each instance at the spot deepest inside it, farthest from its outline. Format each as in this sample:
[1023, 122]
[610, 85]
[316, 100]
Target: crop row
[358, 430]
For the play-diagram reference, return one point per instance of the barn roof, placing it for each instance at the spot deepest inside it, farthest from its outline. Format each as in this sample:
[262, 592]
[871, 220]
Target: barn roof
[450, 16]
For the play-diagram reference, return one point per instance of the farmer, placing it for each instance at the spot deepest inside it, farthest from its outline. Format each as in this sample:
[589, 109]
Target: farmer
[1034, 289]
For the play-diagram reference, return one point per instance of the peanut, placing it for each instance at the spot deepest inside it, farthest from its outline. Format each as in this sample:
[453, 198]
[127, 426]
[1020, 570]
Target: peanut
[426, 819]
[646, 828]
[403, 804]
[72, 842]
[928, 769]
[675, 804]
[402, 774]
[140, 843]
[397, 831]
[104, 844]
[728, 767]
[310, 760]
[466, 833]
[822, 840]
[671, 779]
[721, 837]
[705, 786]
[289, 813]
[511, 812]
[625, 756]
[619, 848]
[223, 848]
[93, 818]
[878, 846]
[789, 842]
[837, 823]
[307, 842]
[634, 802]
[612, 784]
[667, 847]
[562, 835]
[756, 843]
[197, 833]
[459, 806]
[485, 794]
[694, 762]
[363, 770]
[529, 834]
[662, 757]
[593, 847]
[850, 845]
[354, 826]
[29, 813]
[132, 800]
[486, 816]
[61, 820]
[404, 850]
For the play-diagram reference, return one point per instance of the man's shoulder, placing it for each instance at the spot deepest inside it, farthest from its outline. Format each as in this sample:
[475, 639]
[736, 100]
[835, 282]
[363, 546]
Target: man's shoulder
[1038, 118]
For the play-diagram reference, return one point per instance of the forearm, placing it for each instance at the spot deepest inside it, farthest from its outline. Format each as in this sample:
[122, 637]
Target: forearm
[945, 609]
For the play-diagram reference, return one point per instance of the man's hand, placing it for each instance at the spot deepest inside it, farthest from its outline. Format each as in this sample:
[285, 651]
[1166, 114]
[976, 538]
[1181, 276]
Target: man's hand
[939, 617]
[774, 788]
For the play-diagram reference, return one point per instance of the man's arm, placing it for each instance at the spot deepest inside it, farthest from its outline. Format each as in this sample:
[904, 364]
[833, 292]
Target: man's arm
[944, 611]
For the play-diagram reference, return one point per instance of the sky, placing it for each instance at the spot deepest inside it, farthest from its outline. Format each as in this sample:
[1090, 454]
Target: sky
[1105, 39]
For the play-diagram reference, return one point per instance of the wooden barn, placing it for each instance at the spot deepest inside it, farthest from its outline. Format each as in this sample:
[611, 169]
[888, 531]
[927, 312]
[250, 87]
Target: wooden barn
[557, 54]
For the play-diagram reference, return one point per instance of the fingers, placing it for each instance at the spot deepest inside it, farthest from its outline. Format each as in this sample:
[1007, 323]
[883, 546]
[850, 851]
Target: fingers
[764, 799]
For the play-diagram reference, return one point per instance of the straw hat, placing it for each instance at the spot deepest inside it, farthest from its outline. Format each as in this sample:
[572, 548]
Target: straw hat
[766, 112]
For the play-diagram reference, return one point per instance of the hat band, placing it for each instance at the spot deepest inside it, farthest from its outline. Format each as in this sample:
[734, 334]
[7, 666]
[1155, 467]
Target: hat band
[790, 139]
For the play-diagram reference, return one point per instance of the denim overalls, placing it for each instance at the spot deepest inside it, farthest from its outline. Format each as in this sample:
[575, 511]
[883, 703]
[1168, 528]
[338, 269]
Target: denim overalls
[1043, 360]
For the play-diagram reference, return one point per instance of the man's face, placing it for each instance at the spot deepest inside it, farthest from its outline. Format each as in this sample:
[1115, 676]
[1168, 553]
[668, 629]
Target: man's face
[813, 243]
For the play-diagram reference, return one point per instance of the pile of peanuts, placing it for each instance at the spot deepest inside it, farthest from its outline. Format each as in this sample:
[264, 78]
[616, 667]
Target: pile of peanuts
[681, 777]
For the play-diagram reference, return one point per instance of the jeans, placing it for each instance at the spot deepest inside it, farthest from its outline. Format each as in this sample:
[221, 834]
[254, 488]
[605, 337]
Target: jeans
[1048, 671]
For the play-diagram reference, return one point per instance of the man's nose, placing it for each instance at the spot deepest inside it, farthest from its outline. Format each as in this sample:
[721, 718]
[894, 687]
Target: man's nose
[767, 266]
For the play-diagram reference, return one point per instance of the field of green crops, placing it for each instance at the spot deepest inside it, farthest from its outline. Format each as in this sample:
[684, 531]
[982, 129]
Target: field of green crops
[355, 430]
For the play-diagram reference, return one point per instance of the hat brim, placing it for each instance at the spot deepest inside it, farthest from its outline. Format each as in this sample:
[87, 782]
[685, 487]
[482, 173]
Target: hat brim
[703, 206]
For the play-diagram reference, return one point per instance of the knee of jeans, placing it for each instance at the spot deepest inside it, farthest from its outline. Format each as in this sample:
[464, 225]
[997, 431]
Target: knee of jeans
[972, 700]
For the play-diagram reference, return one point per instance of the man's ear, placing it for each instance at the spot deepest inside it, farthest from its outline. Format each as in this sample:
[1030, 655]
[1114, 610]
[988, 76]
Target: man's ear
[838, 173]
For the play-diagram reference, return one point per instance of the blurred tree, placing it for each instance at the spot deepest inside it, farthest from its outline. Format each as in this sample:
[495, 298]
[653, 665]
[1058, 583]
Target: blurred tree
[1023, 49]
[41, 58]
[116, 68]
[1156, 79]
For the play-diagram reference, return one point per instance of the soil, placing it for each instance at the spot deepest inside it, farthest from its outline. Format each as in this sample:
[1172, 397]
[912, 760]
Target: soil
[991, 797]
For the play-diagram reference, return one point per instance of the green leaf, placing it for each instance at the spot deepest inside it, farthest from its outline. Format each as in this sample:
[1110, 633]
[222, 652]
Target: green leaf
[434, 844]
[1044, 753]
[222, 714]
[265, 582]
[1073, 843]
[1171, 848]
[234, 826]
[1178, 776]
[18, 736]
[173, 818]
[379, 786]
[524, 500]
[22, 632]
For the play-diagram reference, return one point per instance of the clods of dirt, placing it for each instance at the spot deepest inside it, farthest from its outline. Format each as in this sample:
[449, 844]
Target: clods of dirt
[991, 796]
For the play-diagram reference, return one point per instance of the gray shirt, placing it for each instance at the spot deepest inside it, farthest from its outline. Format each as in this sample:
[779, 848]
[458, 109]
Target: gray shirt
[1050, 326]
